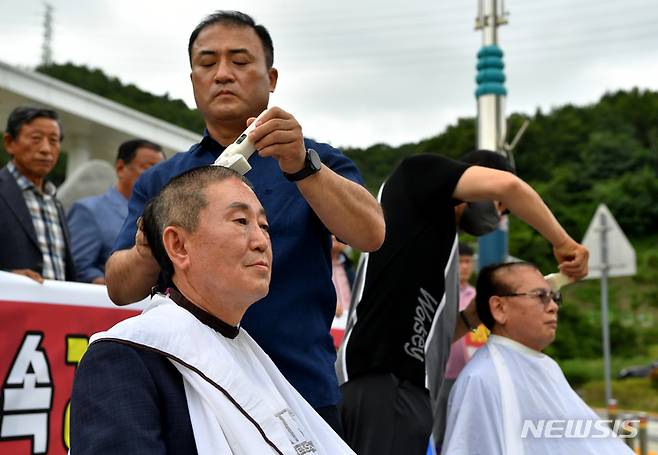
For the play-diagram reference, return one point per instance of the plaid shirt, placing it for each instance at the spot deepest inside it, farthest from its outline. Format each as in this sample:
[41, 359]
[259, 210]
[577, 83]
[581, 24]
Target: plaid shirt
[45, 218]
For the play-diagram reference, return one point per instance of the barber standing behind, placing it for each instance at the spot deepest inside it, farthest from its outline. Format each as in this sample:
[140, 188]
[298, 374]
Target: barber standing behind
[308, 189]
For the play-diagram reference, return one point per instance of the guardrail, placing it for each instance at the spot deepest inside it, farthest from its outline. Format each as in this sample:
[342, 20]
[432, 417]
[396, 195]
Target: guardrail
[635, 424]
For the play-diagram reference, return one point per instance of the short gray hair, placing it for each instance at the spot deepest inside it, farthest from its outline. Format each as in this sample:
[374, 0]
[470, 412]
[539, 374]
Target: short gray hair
[179, 203]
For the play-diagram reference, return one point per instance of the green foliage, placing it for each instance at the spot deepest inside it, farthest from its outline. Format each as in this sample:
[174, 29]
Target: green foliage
[94, 80]
[631, 394]
[653, 378]
[633, 314]
[633, 199]
[576, 158]
[378, 161]
[581, 371]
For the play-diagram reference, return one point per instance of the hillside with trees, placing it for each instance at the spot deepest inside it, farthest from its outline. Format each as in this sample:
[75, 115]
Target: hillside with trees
[575, 156]
[96, 81]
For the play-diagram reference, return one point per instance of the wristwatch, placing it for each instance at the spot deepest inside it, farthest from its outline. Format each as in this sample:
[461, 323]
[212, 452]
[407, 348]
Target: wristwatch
[312, 164]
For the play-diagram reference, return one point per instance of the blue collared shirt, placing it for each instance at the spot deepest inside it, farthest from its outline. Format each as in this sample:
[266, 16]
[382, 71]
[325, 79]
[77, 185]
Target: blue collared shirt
[94, 223]
[293, 321]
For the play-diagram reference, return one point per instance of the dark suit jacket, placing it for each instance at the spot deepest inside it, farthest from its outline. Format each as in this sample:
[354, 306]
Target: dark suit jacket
[129, 400]
[19, 247]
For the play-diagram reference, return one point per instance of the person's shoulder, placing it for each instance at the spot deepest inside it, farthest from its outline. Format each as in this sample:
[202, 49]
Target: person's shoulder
[108, 353]
[431, 160]
[427, 177]
[479, 370]
[169, 165]
[119, 355]
[89, 202]
[157, 176]
[6, 177]
[164, 171]
[124, 373]
[469, 292]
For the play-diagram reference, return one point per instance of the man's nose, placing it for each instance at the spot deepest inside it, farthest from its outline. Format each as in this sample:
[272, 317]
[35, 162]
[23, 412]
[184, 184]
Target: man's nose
[552, 306]
[260, 240]
[45, 146]
[224, 72]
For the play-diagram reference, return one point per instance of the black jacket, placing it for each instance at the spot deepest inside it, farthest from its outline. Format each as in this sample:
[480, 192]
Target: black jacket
[19, 248]
[129, 400]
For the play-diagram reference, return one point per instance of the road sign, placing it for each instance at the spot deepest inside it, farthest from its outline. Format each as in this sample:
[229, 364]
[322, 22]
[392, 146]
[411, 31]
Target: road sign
[611, 254]
[620, 253]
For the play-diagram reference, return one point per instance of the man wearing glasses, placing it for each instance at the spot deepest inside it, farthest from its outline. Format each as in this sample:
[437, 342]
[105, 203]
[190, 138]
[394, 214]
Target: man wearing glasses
[510, 398]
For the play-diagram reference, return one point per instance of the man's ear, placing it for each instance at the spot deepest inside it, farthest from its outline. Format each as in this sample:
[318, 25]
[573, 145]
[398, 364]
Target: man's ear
[498, 309]
[174, 241]
[7, 140]
[119, 166]
[459, 209]
[273, 76]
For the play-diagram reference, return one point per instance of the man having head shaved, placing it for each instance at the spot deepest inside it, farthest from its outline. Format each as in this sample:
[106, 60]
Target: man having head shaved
[183, 377]
[510, 398]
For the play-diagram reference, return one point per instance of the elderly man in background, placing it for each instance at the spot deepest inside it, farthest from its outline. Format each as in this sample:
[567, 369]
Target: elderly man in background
[506, 395]
[96, 221]
[145, 386]
[33, 233]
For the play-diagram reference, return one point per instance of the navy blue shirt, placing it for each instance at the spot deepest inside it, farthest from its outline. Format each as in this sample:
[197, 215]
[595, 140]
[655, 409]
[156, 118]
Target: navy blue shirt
[293, 321]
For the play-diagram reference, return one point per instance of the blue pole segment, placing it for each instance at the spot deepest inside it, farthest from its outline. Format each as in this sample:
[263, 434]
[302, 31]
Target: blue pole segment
[492, 248]
[490, 76]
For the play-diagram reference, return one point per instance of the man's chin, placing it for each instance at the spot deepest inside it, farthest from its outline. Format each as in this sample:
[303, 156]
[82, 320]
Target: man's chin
[262, 292]
[224, 110]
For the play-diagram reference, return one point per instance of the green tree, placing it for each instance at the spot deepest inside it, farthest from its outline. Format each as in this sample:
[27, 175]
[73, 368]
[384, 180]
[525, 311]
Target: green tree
[94, 80]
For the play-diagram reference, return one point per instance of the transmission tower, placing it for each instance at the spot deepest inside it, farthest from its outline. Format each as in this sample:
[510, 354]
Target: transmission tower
[46, 47]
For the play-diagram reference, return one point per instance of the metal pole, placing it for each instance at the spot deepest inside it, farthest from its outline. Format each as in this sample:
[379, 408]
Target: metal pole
[612, 412]
[604, 307]
[627, 430]
[491, 123]
[644, 444]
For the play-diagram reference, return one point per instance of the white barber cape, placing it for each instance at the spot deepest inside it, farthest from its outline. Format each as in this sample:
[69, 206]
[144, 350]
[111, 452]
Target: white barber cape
[239, 402]
[512, 400]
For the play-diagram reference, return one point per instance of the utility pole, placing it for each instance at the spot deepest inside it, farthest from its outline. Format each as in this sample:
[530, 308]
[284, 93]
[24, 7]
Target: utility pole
[605, 326]
[491, 121]
[46, 47]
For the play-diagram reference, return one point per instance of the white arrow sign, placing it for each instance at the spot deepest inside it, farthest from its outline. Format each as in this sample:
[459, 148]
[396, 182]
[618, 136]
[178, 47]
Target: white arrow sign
[620, 255]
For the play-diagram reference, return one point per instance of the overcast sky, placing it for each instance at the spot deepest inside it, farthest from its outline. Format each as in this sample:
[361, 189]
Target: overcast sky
[359, 72]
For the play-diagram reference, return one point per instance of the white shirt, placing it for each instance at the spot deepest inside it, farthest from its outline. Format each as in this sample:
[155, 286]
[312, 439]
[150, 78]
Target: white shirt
[512, 400]
[239, 402]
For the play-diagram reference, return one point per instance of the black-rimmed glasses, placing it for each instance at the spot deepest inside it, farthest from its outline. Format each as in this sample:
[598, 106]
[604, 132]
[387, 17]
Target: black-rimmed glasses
[542, 294]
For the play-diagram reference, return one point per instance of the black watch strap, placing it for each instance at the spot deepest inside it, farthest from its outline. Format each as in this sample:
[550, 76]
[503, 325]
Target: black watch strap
[312, 164]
